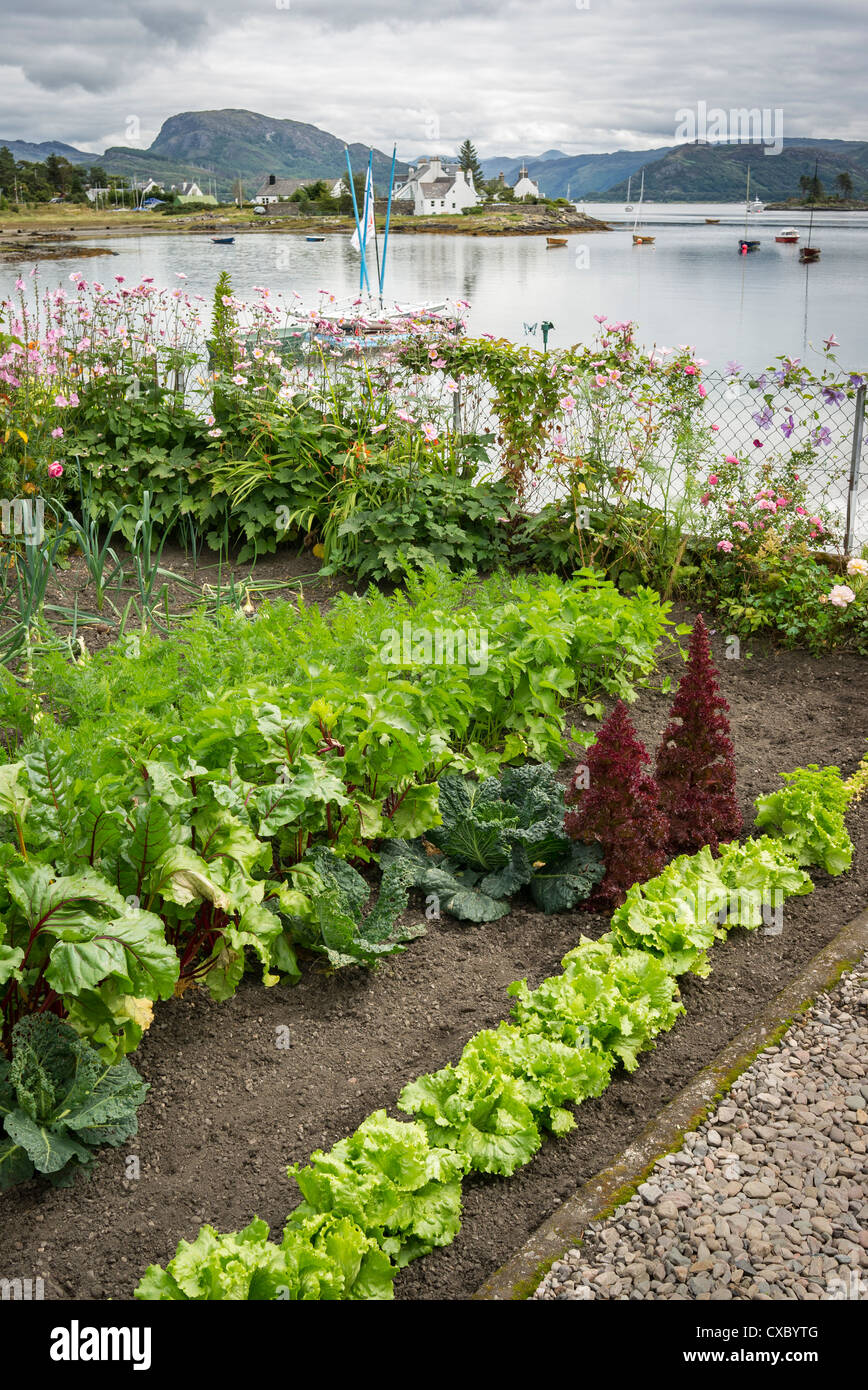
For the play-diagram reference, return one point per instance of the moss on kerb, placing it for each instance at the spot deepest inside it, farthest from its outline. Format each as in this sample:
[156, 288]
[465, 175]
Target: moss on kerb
[525, 1288]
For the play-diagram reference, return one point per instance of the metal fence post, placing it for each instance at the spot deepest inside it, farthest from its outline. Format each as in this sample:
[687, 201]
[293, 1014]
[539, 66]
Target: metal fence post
[855, 466]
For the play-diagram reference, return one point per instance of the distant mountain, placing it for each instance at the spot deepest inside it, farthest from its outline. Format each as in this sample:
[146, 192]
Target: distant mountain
[37, 154]
[231, 144]
[558, 174]
[718, 173]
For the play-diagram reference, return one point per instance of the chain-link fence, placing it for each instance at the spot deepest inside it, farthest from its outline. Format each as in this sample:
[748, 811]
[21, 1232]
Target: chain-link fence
[821, 428]
[827, 431]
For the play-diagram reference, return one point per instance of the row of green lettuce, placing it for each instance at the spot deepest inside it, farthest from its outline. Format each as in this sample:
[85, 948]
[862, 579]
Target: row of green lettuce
[391, 1192]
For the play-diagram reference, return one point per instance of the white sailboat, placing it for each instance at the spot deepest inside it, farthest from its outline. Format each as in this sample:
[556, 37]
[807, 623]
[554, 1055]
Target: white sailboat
[641, 238]
[628, 206]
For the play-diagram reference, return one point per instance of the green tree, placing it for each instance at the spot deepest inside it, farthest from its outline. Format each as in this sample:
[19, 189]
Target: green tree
[7, 169]
[468, 160]
[844, 184]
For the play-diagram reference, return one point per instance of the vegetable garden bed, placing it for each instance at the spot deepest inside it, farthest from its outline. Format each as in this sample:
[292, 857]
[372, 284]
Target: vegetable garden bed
[230, 1107]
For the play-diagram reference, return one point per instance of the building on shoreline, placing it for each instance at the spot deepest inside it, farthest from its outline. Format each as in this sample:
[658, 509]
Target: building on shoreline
[434, 187]
[274, 189]
[525, 188]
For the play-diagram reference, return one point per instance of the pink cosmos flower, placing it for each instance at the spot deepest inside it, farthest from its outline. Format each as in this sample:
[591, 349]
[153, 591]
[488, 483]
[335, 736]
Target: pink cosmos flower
[429, 432]
[568, 404]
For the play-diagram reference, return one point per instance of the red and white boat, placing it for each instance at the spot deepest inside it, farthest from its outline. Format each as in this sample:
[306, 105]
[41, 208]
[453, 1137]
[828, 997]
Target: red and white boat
[788, 234]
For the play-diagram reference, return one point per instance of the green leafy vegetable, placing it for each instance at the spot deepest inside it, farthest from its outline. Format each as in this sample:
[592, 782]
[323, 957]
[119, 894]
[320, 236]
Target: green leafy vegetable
[808, 816]
[59, 1102]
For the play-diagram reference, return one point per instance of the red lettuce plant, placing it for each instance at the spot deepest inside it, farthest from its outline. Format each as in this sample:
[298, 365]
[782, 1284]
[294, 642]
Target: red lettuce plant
[695, 767]
[616, 806]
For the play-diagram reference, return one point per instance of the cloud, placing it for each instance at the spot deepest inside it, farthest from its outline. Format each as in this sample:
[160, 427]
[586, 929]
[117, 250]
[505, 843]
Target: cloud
[517, 77]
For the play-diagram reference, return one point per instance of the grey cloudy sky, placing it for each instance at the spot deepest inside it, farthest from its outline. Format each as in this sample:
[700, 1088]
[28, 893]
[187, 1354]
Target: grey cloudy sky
[578, 75]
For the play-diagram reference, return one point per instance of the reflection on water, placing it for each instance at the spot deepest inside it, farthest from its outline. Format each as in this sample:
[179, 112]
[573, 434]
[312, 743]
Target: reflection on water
[691, 286]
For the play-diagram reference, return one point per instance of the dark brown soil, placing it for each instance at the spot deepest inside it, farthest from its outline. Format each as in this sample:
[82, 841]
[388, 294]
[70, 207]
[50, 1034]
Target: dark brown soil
[228, 1108]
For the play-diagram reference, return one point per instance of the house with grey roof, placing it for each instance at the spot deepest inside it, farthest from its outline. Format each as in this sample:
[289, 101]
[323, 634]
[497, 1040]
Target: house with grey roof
[273, 189]
[434, 187]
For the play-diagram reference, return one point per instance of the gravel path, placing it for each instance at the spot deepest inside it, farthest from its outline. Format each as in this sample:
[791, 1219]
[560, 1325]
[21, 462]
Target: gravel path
[768, 1198]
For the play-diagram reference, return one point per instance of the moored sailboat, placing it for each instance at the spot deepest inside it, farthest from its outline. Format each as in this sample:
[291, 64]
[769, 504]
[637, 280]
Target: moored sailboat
[809, 253]
[641, 238]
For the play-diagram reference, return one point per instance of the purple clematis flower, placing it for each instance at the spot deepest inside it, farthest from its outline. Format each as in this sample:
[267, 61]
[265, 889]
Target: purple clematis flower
[788, 427]
[764, 417]
[822, 435]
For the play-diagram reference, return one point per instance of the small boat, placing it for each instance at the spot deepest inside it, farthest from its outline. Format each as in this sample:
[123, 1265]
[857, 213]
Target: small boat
[809, 253]
[223, 240]
[314, 238]
[641, 238]
[556, 241]
[712, 221]
[756, 206]
[745, 244]
[787, 234]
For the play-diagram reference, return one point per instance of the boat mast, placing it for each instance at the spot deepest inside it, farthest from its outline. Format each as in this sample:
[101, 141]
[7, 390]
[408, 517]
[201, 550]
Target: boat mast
[388, 221]
[746, 202]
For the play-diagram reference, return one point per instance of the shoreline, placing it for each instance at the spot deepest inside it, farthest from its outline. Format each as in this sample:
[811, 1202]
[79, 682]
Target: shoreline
[32, 234]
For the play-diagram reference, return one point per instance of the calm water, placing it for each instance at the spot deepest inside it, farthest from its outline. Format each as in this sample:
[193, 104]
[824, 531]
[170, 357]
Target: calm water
[691, 286]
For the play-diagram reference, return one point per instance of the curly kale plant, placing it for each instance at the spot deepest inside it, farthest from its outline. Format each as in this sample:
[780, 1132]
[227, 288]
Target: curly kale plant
[59, 1102]
[498, 836]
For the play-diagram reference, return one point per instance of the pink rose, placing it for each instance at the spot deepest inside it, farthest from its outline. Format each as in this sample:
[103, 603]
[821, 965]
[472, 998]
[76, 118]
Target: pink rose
[724, 545]
[55, 469]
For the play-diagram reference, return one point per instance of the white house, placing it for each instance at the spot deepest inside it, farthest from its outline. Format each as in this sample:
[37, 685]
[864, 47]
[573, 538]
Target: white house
[274, 190]
[435, 187]
[525, 188]
[190, 189]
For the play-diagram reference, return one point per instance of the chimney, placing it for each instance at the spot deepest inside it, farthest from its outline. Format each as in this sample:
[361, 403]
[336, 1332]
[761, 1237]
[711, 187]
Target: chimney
[272, 179]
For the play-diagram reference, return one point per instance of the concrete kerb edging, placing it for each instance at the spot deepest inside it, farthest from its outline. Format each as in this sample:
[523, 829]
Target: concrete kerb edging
[519, 1277]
